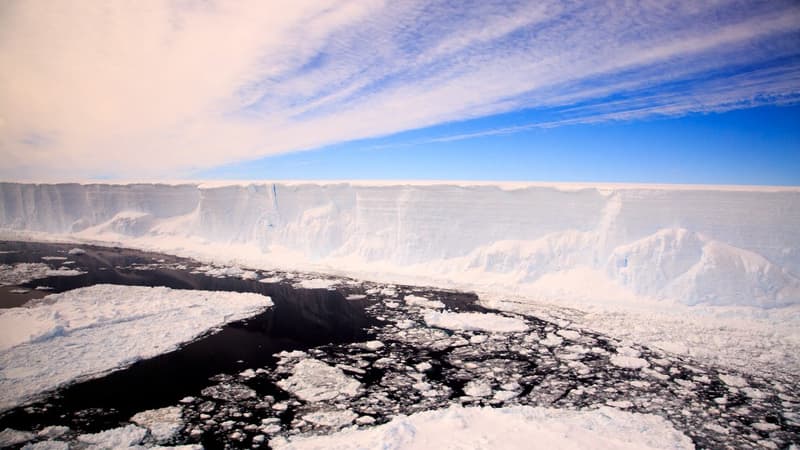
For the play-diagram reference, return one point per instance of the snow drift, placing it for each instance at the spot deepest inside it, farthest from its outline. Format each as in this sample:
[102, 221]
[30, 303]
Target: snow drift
[696, 245]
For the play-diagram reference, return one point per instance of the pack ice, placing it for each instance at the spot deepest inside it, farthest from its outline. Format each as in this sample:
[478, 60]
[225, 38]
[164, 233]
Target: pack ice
[732, 246]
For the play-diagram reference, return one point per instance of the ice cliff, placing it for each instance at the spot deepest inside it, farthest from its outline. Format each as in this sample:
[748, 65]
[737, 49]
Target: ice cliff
[696, 245]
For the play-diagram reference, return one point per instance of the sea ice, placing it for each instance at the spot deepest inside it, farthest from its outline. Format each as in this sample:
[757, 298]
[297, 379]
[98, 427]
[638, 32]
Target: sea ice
[478, 388]
[313, 381]
[90, 331]
[733, 380]
[163, 423]
[331, 418]
[511, 428]
[316, 283]
[474, 322]
[415, 300]
[47, 445]
[10, 436]
[121, 437]
[22, 273]
[628, 362]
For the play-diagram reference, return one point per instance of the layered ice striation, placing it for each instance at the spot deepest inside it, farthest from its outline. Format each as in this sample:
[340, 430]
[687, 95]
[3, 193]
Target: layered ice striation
[732, 246]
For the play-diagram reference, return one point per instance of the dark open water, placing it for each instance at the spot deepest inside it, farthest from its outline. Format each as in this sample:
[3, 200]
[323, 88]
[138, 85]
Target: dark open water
[299, 319]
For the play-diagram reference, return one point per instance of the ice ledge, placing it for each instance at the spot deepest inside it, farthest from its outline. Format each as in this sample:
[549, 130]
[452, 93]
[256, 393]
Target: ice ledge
[503, 185]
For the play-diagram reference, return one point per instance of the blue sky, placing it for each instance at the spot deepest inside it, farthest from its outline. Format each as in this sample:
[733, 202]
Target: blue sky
[650, 91]
[749, 146]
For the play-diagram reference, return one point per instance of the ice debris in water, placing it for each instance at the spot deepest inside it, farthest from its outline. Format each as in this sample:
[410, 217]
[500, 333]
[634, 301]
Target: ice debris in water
[415, 300]
[163, 423]
[313, 380]
[475, 322]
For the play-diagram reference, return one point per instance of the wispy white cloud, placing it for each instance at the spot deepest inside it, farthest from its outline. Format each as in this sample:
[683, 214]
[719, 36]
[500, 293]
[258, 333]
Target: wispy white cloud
[163, 88]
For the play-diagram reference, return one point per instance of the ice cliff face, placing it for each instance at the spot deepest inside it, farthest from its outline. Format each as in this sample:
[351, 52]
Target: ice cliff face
[699, 246]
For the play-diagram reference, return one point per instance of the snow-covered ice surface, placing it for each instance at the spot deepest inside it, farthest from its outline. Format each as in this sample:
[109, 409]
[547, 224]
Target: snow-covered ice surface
[315, 283]
[416, 300]
[475, 322]
[314, 381]
[88, 332]
[163, 423]
[512, 428]
[663, 265]
[122, 437]
[10, 436]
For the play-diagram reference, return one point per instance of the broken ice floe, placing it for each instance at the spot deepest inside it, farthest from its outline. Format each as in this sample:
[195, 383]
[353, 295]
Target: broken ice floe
[475, 322]
[314, 381]
[89, 331]
[415, 300]
[163, 423]
[21, 273]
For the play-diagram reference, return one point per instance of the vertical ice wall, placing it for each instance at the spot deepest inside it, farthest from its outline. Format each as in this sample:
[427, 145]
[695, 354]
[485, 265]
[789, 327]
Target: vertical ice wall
[700, 245]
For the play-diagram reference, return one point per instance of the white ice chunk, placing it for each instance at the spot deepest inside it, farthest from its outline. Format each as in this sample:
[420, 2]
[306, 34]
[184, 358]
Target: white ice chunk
[22, 273]
[64, 272]
[53, 431]
[316, 283]
[47, 445]
[331, 418]
[629, 362]
[552, 340]
[475, 322]
[10, 436]
[569, 334]
[478, 388]
[415, 300]
[271, 280]
[373, 345]
[121, 437]
[163, 423]
[733, 380]
[247, 374]
[90, 331]
[248, 275]
[221, 272]
[313, 380]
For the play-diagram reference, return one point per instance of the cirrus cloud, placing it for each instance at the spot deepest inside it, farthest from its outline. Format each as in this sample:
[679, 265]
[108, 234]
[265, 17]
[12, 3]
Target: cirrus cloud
[154, 89]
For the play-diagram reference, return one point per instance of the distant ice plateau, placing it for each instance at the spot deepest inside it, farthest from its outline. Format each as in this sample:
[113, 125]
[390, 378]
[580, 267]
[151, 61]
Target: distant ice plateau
[726, 252]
